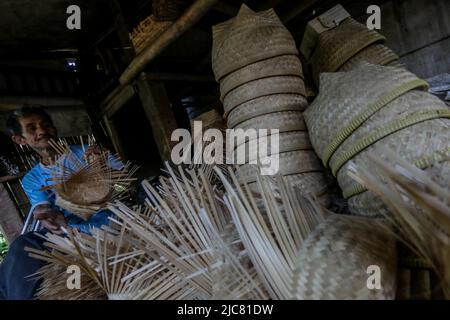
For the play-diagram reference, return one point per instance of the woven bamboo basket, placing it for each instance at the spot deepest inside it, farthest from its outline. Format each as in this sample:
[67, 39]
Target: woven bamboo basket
[168, 10]
[375, 54]
[347, 124]
[287, 65]
[263, 87]
[334, 259]
[336, 46]
[147, 31]
[265, 105]
[248, 38]
[89, 184]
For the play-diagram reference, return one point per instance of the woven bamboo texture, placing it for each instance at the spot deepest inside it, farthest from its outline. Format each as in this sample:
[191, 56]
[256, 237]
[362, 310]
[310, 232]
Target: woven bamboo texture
[294, 162]
[385, 110]
[263, 87]
[288, 141]
[283, 121]
[264, 105]
[376, 53]
[288, 65]
[333, 261]
[248, 38]
[256, 62]
[336, 46]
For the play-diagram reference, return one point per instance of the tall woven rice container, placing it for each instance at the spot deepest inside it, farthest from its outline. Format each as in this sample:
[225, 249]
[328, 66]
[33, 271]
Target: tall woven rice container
[371, 106]
[334, 260]
[255, 60]
[341, 48]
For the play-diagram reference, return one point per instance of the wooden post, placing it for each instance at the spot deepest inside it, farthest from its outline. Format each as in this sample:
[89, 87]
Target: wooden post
[112, 132]
[158, 110]
[10, 222]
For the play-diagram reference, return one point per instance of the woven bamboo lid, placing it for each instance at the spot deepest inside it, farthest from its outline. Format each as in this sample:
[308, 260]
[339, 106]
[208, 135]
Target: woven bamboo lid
[263, 87]
[334, 259]
[265, 105]
[347, 99]
[287, 65]
[375, 54]
[338, 45]
[248, 38]
[294, 162]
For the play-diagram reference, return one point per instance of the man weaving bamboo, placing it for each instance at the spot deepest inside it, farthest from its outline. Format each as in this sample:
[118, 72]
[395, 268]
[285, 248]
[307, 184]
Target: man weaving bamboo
[32, 126]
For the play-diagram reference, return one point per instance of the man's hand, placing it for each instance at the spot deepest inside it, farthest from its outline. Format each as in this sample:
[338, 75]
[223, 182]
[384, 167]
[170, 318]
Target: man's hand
[94, 150]
[50, 219]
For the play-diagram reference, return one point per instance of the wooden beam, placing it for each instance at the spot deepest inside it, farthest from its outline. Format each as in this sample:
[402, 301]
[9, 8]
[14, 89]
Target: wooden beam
[196, 11]
[114, 103]
[159, 112]
[8, 103]
[112, 132]
[176, 77]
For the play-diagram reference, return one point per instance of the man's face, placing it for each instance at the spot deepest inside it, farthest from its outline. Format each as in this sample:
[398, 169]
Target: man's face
[36, 132]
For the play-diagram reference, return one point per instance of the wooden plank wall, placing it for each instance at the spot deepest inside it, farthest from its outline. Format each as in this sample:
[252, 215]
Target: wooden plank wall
[419, 32]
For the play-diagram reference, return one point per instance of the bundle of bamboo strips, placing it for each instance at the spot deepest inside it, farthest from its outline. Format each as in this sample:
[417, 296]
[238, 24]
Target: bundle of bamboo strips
[419, 210]
[193, 241]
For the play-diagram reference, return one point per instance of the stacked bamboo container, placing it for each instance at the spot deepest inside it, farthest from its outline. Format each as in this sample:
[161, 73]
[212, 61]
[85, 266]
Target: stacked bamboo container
[255, 59]
[374, 103]
[342, 47]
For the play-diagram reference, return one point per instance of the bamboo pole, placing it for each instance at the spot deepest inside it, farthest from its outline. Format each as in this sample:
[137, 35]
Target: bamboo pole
[197, 10]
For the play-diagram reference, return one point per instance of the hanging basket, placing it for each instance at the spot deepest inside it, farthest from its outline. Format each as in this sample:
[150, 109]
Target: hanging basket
[283, 121]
